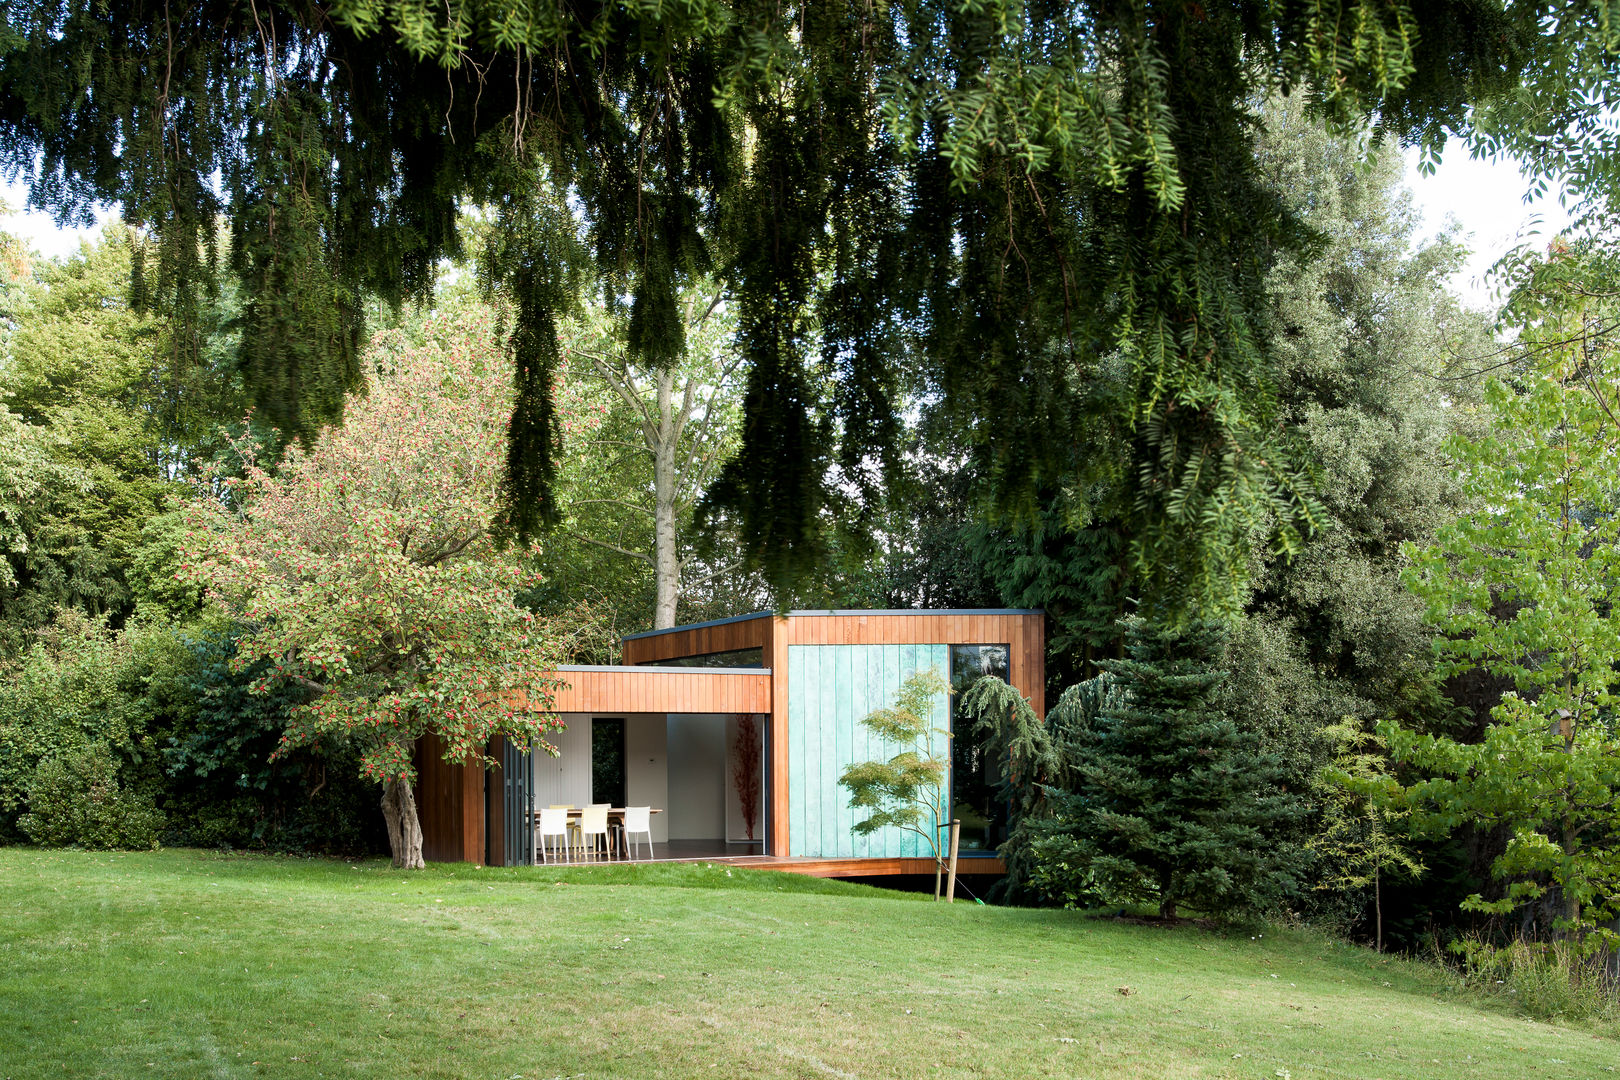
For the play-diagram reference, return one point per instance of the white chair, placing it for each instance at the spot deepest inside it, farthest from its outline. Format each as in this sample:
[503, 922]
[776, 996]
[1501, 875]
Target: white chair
[573, 826]
[593, 822]
[638, 821]
[554, 824]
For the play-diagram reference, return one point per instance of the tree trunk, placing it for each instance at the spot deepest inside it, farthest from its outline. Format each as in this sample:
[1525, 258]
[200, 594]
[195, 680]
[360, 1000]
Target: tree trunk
[404, 828]
[1167, 895]
[1572, 902]
[666, 559]
[1378, 911]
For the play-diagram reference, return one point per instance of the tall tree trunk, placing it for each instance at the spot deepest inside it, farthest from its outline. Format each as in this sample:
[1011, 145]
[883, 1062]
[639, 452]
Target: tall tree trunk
[666, 559]
[1572, 901]
[404, 828]
[1378, 910]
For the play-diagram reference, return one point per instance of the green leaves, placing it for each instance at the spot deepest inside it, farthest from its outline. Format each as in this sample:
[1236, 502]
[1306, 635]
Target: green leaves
[1166, 799]
[1524, 590]
[367, 572]
[908, 790]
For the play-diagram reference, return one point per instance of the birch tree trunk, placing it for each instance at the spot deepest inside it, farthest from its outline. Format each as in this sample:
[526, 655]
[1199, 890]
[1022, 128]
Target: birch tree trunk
[666, 556]
[404, 828]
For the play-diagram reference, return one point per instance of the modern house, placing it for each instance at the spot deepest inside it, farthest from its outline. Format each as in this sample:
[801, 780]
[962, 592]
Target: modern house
[737, 731]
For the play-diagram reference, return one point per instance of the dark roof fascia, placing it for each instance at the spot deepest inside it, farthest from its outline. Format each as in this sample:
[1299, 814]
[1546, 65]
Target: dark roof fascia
[697, 626]
[797, 613]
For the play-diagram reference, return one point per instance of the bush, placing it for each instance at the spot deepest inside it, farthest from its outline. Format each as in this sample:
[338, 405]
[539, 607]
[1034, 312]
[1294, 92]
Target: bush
[76, 687]
[76, 799]
[1547, 980]
[220, 787]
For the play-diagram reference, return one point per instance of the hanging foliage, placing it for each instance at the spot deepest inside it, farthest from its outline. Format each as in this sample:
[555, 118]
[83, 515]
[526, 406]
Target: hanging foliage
[1026, 202]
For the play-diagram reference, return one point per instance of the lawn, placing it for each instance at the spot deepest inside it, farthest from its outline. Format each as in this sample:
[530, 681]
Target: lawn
[191, 964]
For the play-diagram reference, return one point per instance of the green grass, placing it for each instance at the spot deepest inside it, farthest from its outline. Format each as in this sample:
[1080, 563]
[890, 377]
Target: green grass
[189, 964]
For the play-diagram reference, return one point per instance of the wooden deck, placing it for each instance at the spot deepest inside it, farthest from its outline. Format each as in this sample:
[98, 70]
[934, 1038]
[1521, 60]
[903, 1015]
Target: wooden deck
[841, 868]
[720, 853]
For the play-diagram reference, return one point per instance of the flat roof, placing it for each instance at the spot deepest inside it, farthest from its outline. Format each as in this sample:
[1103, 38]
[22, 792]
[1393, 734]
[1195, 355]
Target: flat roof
[799, 613]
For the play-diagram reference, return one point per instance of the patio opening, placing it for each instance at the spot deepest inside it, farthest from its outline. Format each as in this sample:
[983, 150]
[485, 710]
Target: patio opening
[703, 775]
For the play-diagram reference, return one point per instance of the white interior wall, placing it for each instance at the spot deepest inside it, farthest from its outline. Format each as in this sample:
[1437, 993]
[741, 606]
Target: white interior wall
[697, 776]
[567, 777]
[646, 769]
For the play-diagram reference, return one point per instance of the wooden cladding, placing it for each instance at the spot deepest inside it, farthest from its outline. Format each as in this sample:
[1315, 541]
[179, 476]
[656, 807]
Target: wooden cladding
[1024, 633]
[753, 632]
[843, 868]
[449, 804]
[687, 690]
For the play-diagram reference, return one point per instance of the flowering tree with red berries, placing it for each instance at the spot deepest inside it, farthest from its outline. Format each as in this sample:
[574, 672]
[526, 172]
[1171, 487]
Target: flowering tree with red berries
[367, 572]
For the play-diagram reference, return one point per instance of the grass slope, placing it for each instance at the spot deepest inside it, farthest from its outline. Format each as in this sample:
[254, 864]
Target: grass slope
[188, 964]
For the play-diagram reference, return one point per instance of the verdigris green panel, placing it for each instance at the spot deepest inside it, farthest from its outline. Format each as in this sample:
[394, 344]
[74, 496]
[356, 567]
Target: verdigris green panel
[831, 688]
[798, 685]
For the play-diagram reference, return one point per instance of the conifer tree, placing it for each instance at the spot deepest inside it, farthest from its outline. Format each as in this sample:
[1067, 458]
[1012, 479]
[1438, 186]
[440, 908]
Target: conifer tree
[1056, 208]
[1171, 802]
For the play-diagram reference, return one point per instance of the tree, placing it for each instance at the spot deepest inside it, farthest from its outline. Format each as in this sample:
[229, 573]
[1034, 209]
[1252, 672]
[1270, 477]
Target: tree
[93, 380]
[631, 480]
[1032, 195]
[908, 790]
[28, 473]
[1372, 380]
[1363, 834]
[1036, 759]
[368, 574]
[1524, 589]
[1170, 801]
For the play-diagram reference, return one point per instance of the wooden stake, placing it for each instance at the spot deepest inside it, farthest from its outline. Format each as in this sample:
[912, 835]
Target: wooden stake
[956, 835]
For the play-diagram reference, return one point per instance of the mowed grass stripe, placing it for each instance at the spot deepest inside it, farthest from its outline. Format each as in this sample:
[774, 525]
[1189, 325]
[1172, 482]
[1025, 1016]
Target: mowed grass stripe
[190, 964]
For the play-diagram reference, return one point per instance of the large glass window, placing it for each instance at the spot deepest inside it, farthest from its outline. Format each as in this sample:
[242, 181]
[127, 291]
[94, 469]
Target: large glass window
[607, 761]
[973, 774]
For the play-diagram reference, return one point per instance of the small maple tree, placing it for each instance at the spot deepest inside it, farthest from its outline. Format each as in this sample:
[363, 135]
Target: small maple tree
[367, 573]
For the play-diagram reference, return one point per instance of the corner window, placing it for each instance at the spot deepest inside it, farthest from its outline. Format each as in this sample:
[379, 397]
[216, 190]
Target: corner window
[754, 658]
[974, 775]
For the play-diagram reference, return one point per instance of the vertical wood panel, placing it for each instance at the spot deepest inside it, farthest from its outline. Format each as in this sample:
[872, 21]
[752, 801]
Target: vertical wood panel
[780, 758]
[801, 687]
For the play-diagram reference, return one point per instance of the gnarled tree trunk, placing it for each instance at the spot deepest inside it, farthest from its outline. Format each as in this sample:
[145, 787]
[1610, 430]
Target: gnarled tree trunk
[404, 828]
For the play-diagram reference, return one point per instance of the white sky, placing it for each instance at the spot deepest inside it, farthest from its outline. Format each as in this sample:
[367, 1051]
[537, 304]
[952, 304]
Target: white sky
[38, 229]
[1486, 197]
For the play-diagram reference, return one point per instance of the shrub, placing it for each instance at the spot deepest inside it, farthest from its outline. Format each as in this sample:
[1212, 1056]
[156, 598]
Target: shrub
[75, 687]
[76, 799]
[1555, 980]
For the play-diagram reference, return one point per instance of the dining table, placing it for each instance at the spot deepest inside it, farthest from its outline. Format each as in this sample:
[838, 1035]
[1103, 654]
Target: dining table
[615, 815]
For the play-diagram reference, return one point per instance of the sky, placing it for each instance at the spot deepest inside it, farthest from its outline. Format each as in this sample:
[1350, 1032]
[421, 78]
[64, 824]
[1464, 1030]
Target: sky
[1486, 198]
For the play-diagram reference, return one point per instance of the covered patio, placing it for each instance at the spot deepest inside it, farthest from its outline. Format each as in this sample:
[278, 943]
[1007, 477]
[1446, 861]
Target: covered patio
[700, 770]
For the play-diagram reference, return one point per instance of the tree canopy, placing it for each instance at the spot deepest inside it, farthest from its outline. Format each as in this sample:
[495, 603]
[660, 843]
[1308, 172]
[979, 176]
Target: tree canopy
[1054, 208]
[368, 579]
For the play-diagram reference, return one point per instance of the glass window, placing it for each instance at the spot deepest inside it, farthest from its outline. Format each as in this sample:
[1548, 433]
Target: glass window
[607, 761]
[973, 774]
[754, 657]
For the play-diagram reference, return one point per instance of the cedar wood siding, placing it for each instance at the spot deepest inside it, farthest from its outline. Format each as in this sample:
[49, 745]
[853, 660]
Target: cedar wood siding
[1024, 632]
[449, 805]
[451, 799]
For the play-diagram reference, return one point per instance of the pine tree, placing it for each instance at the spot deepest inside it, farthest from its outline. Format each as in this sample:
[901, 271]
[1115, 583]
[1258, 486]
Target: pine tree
[1172, 802]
